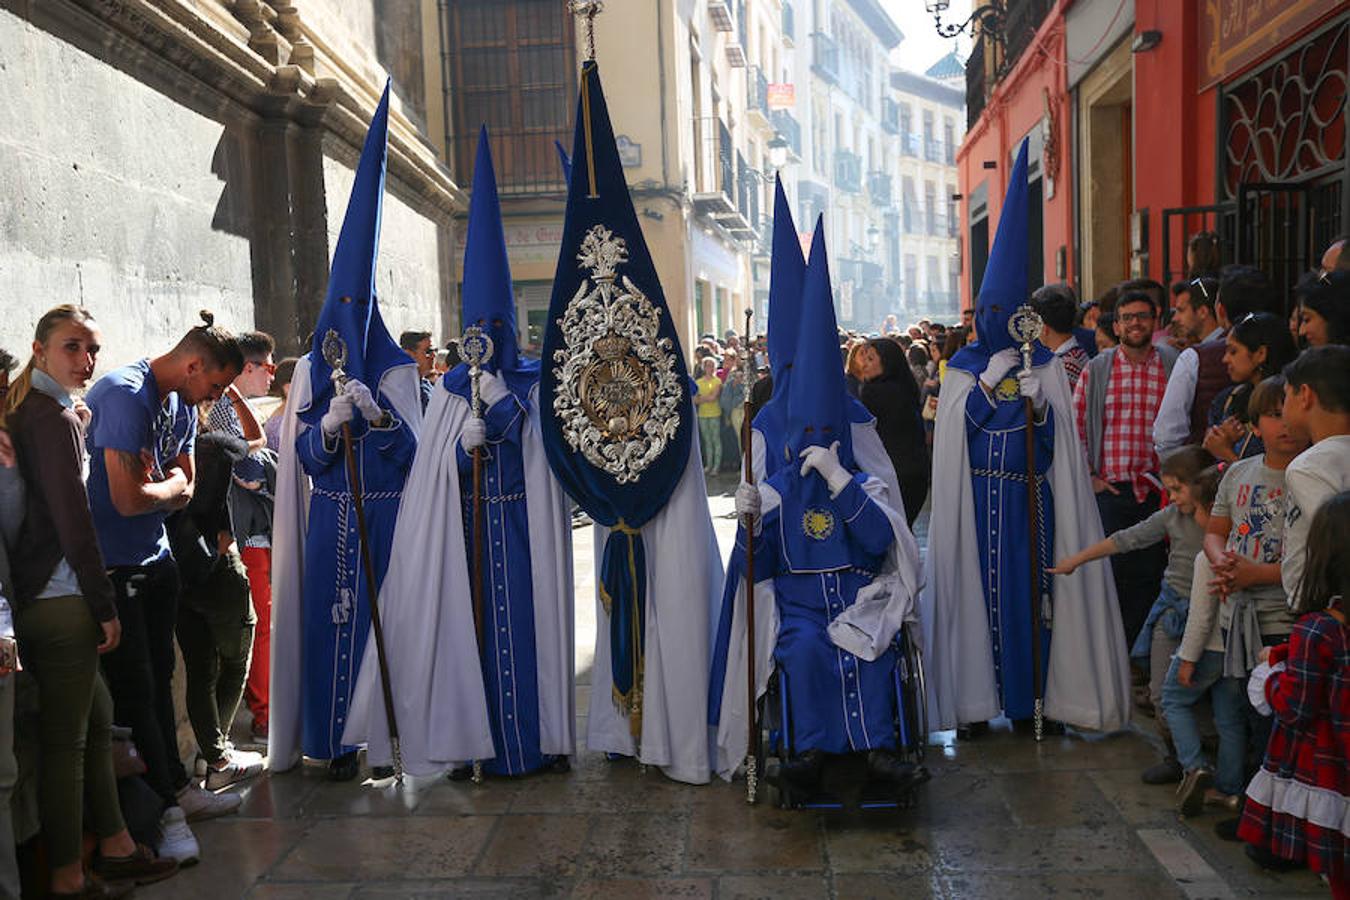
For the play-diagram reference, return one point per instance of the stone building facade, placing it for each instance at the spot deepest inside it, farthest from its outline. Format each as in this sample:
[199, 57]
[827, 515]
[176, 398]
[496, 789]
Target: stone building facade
[159, 157]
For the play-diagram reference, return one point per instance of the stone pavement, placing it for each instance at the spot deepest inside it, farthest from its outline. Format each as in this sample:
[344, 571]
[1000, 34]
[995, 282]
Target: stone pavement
[1002, 817]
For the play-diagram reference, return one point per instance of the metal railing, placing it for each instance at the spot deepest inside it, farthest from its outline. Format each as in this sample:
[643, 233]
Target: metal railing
[848, 171]
[825, 57]
[879, 188]
[890, 116]
[715, 172]
[757, 91]
[788, 128]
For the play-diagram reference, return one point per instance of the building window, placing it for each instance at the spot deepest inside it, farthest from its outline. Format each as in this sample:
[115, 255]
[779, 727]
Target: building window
[930, 207]
[720, 313]
[934, 278]
[907, 142]
[929, 139]
[910, 202]
[700, 304]
[949, 140]
[514, 70]
[911, 283]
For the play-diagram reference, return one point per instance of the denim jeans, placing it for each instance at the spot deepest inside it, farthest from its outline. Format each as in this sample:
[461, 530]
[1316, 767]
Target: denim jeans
[1229, 699]
[1137, 574]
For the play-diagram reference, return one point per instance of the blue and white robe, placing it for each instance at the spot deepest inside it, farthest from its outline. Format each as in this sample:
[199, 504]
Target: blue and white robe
[510, 669]
[335, 596]
[996, 438]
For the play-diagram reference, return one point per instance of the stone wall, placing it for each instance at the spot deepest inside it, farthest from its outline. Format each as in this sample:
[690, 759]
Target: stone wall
[116, 196]
[151, 171]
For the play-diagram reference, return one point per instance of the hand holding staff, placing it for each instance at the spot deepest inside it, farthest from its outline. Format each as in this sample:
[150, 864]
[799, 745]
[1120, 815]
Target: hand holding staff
[335, 354]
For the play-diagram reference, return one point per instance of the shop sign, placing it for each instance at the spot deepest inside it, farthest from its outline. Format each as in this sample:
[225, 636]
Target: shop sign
[1237, 33]
[782, 96]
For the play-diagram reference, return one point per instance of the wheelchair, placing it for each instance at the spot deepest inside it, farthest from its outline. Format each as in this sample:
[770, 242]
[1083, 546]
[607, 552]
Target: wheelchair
[845, 781]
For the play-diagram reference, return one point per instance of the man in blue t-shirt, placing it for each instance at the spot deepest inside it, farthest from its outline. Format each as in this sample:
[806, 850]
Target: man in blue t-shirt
[140, 440]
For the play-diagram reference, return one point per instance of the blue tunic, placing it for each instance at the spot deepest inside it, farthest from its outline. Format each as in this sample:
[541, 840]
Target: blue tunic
[996, 436]
[336, 604]
[837, 703]
[510, 673]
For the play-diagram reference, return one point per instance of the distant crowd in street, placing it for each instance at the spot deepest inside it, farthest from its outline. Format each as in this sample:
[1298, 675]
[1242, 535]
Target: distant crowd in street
[135, 526]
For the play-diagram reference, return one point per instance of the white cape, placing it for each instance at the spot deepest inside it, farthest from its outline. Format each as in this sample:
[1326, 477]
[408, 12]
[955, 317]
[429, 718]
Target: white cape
[865, 629]
[1088, 684]
[289, 524]
[427, 607]
[684, 581]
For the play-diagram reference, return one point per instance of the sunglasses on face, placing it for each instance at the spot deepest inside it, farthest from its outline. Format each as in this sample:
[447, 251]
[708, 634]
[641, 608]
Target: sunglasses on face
[270, 367]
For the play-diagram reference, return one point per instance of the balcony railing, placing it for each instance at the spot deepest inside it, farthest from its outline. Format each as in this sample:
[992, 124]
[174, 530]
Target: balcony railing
[825, 57]
[720, 13]
[789, 129]
[757, 94]
[932, 148]
[714, 175]
[879, 188]
[848, 171]
[789, 24]
[975, 83]
[1024, 18]
[910, 142]
[890, 116]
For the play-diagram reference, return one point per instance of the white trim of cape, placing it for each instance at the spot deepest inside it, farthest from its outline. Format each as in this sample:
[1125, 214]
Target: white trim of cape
[289, 525]
[1088, 684]
[684, 582]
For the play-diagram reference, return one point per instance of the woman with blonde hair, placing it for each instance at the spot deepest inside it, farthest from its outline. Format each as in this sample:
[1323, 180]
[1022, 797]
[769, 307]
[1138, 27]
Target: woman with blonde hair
[65, 612]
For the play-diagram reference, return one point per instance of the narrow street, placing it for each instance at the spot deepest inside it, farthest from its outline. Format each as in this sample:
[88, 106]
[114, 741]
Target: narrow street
[1001, 817]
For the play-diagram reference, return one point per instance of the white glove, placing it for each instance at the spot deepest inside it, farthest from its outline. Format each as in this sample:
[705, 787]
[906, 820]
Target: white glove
[747, 501]
[339, 413]
[999, 365]
[491, 388]
[826, 462]
[362, 400]
[1030, 385]
[474, 435]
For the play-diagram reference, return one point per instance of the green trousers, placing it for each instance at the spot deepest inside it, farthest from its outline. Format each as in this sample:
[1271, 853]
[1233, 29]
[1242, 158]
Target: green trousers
[58, 644]
[215, 633]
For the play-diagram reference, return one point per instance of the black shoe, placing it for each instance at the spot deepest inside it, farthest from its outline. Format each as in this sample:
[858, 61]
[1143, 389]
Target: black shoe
[1227, 829]
[381, 772]
[344, 767]
[460, 773]
[885, 765]
[1267, 860]
[1168, 771]
[972, 731]
[560, 765]
[803, 771]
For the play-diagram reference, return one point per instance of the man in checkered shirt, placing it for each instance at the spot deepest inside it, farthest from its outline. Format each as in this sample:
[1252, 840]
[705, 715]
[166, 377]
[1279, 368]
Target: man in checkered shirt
[1115, 402]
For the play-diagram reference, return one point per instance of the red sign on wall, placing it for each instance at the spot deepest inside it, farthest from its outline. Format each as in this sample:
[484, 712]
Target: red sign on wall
[1236, 33]
[782, 96]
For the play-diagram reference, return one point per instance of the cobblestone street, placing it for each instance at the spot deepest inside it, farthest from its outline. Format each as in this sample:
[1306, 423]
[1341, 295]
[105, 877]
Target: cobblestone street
[1001, 817]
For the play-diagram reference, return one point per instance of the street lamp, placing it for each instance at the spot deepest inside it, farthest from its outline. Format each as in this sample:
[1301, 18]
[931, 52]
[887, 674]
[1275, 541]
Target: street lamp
[778, 151]
[990, 16]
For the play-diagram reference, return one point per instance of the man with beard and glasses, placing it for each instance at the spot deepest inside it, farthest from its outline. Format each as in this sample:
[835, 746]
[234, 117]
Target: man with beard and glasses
[1115, 403]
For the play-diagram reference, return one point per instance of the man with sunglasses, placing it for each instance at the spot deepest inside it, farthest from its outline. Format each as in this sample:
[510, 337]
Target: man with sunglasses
[417, 344]
[1207, 310]
[251, 496]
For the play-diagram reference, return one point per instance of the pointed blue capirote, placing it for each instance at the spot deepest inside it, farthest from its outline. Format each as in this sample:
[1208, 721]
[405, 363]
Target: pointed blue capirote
[565, 161]
[489, 301]
[350, 308]
[817, 405]
[1004, 287]
[787, 269]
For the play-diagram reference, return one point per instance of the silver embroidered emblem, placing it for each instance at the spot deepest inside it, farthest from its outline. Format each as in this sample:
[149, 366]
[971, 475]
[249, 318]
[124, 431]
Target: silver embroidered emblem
[618, 390]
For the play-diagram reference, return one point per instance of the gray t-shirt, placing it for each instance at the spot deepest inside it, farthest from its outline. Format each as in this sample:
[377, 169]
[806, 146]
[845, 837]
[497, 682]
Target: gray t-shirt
[1184, 536]
[1252, 496]
[1315, 476]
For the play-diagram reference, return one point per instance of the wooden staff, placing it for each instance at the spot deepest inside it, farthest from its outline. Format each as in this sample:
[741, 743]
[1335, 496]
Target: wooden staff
[475, 348]
[752, 744]
[1025, 327]
[335, 353]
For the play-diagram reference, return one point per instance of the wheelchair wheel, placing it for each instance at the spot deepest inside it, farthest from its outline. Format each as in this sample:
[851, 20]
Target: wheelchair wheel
[914, 694]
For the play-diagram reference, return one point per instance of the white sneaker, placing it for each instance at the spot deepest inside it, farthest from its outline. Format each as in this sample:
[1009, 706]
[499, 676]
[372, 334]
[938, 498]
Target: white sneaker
[239, 766]
[198, 804]
[177, 840]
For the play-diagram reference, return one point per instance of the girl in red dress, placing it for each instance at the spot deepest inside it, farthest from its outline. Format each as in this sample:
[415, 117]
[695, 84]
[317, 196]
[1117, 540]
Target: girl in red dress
[1298, 804]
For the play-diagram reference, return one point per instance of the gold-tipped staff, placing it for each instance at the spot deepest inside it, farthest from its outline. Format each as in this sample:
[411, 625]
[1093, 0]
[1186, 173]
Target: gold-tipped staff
[335, 354]
[475, 348]
[1025, 327]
